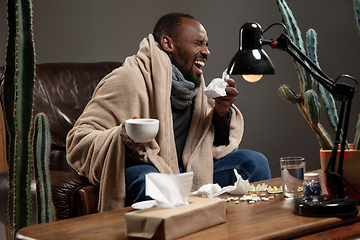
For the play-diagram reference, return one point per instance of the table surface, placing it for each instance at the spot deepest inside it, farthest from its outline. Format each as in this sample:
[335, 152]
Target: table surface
[273, 219]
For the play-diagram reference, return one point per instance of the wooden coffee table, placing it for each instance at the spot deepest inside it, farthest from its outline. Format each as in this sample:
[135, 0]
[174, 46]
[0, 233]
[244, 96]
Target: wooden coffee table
[273, 219]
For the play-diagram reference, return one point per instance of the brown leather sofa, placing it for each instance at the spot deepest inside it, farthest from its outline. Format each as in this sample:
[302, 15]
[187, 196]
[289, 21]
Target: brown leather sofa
[61, 91]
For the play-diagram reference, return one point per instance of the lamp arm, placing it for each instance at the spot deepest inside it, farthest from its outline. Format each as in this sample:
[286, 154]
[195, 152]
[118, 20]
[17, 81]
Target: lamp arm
[285, 43]
[341, 92]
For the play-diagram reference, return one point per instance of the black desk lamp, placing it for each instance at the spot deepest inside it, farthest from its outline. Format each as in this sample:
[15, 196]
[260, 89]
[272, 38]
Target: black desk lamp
[252, 62]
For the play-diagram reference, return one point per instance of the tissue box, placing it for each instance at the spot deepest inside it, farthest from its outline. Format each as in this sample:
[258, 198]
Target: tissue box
[171, 223]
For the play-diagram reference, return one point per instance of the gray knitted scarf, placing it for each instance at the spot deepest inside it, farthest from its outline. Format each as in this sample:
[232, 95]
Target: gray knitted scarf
[182, 90]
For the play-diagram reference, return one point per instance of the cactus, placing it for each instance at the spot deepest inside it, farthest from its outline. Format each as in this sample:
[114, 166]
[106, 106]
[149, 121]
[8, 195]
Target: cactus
[41, 155]
[356, 143]
[18, 95]
[313, 96]
[357, 135]
[18, 106]
[357, 12]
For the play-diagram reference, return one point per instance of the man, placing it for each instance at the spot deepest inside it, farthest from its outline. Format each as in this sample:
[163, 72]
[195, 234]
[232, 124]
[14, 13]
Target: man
[164, 81]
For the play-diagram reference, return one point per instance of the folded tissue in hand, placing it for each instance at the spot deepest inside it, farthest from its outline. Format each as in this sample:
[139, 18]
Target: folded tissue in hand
[168, 190]
[240, 187]
[216, 87]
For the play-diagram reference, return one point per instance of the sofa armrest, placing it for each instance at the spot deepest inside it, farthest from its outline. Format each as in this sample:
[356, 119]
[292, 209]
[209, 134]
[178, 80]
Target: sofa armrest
[4, 199]
[87, 200]
[4, 192]
[64, 186]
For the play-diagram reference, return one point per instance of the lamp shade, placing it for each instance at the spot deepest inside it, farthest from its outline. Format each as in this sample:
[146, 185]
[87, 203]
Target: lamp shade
[251, 58]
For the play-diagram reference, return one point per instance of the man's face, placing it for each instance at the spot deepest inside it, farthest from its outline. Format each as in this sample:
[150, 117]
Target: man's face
[190, 50]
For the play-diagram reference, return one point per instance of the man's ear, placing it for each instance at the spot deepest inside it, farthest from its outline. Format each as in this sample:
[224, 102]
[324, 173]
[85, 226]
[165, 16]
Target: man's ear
[167, 44]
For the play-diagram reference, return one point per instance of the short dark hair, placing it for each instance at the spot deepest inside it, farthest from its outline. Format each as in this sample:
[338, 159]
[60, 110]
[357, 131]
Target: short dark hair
[169, 25]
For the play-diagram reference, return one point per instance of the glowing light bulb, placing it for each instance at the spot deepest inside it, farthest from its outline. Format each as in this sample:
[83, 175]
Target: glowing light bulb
[252, 77]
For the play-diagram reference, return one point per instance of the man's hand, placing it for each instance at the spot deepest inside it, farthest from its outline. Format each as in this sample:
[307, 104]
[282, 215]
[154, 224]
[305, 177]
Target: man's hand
[222, 104]
[127, 140]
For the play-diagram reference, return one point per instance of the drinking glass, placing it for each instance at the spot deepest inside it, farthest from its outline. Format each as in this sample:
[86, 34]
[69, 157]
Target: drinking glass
[292, 176]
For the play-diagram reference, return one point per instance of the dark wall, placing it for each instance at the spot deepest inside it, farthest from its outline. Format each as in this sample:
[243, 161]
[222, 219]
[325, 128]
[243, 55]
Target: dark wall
[89, 31]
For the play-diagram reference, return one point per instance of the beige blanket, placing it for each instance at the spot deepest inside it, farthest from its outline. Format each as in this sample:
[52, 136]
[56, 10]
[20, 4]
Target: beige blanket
[142, 87]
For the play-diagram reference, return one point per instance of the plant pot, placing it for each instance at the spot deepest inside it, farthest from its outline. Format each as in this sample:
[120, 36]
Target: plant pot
[351, 170]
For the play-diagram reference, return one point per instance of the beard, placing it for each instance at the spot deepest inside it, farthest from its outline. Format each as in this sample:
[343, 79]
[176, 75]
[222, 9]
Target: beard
[189, 75]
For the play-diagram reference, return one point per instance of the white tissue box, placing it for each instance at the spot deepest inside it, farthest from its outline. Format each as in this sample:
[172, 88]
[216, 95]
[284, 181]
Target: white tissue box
[172, 223]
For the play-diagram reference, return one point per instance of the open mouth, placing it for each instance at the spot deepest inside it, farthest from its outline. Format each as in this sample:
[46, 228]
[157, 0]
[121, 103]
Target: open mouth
[199, 64]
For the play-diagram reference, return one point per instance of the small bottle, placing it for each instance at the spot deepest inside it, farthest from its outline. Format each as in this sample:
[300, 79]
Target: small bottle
[311, 185]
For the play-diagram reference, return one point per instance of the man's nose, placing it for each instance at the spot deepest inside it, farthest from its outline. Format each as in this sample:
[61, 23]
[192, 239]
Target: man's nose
[205, 51]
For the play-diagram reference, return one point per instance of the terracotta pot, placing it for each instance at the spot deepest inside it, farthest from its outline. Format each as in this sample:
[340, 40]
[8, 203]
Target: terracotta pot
[351, 170]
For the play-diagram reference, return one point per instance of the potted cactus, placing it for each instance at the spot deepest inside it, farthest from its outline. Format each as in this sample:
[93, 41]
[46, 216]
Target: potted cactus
[27, 145]
[313, 97]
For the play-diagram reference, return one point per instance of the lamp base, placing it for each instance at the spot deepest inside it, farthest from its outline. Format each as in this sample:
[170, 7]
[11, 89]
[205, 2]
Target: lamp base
[325, 206]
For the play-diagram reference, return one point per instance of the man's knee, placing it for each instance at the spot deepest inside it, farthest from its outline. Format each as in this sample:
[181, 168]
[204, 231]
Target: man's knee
[256, 163]
[138, 172]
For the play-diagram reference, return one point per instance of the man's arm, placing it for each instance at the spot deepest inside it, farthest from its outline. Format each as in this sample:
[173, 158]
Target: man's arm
[221, 126]
[222, 115]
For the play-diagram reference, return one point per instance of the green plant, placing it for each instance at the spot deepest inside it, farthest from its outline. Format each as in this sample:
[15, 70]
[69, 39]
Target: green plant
[313, 96]
[41, 155]
[18, 101]
[357, 12]
[18, 94]
[357, 18]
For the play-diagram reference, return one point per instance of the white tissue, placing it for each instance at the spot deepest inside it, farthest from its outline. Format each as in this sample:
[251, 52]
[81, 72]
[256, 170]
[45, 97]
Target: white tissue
[216, 87]
[240, 187]
[168, 190]
[208, 190]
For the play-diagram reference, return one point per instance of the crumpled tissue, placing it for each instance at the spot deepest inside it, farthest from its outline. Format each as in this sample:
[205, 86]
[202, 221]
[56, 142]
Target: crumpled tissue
[216, 87]
[168, 190]
[240, 187]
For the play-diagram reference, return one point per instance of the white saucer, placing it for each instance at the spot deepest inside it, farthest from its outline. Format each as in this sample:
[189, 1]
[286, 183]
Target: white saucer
[144, 204]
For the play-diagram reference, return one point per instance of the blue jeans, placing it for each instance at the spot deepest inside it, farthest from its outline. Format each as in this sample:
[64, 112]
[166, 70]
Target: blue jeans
[250, 165]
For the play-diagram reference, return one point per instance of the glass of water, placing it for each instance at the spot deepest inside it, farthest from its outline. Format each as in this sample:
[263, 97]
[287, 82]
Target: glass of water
[292, 176]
